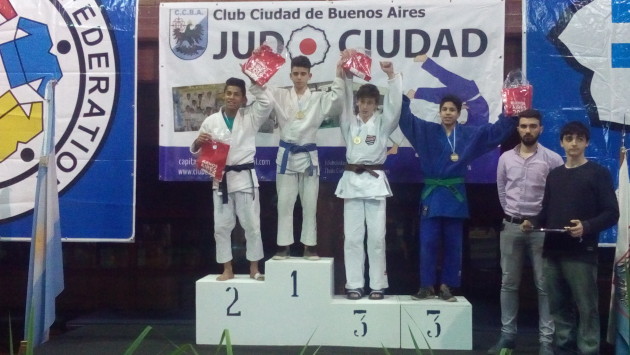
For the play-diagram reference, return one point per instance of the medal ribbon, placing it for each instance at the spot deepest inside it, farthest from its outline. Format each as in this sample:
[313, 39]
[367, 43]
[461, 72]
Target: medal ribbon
[454, 142]
[359, 124]
[299, 103]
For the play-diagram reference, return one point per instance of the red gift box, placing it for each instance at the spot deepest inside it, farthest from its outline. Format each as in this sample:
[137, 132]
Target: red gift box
[517, 99]
[359, 64]
[263, 64]
[212, 159]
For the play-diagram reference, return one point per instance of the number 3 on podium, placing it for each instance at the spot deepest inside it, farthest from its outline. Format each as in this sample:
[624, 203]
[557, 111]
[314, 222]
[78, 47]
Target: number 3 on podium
[438, 327]
[362, 312]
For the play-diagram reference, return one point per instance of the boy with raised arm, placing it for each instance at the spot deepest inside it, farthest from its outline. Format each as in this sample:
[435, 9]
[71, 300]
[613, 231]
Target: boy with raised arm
[237, 194]
[364, 186]
[445, 150]
[300, 112]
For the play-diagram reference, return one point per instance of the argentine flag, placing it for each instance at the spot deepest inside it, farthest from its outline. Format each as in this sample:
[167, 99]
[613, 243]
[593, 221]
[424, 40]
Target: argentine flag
[45, 272]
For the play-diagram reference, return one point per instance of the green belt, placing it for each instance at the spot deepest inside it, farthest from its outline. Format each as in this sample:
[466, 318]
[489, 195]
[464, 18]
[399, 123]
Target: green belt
[431, 184]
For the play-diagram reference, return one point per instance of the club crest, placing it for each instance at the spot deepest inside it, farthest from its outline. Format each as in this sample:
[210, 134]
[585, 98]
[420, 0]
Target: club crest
[189, 33]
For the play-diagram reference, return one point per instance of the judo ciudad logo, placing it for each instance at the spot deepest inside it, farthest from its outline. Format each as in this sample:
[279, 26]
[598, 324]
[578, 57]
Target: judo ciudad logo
[42, 41]
[309, 41]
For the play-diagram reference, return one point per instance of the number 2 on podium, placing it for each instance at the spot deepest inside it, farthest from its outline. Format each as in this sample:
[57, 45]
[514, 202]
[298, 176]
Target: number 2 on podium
[229, 308]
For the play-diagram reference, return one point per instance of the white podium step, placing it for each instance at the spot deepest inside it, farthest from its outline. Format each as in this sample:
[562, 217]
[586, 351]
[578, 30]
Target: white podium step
[296, 301]
[361, 323]
[299, 281]
[440, 324]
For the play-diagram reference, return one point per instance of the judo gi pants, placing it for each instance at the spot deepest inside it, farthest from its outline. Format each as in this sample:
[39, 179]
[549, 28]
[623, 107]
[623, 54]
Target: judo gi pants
[571, 284]
[448, 232]
[514, 245]
[289, 186]
[357, 214]
[246, 207]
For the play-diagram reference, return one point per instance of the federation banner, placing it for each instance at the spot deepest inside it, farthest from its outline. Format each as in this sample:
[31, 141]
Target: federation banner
[203, 44]
[578, 61]
[89, 48]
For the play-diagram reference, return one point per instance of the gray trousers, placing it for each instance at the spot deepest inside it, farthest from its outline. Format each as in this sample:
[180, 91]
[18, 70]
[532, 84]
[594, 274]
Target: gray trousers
[514, 245]
[572, 286]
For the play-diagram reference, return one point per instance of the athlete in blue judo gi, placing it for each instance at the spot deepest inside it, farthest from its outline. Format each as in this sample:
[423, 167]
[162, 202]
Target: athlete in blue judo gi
[445, 150]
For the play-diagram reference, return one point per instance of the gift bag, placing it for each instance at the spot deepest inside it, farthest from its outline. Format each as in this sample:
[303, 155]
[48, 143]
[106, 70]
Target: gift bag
[359, 63]
[517, 93]
[212, 158]
[263, 64]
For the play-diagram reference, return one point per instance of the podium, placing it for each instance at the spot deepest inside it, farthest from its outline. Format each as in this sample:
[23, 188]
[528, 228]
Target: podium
[296, 303]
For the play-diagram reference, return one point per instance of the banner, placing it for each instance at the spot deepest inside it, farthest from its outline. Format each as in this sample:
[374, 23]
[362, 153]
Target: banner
[203, 44]
[89, 47]
[579, 64]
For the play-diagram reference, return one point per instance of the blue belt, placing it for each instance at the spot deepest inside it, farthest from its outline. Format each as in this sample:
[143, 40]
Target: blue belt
[294, 148]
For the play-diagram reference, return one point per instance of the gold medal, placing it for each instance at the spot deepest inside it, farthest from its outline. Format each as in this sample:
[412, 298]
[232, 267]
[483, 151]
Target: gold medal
[454, 157]
[299, 115]
[356, 140]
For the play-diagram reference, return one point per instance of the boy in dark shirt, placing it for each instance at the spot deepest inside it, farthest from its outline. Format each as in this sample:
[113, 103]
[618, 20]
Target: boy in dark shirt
[579, 199]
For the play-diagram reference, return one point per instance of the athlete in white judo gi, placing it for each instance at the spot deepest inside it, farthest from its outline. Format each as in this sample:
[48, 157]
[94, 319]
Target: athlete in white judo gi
[237, 194]
[300, 112]
[364, 186]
